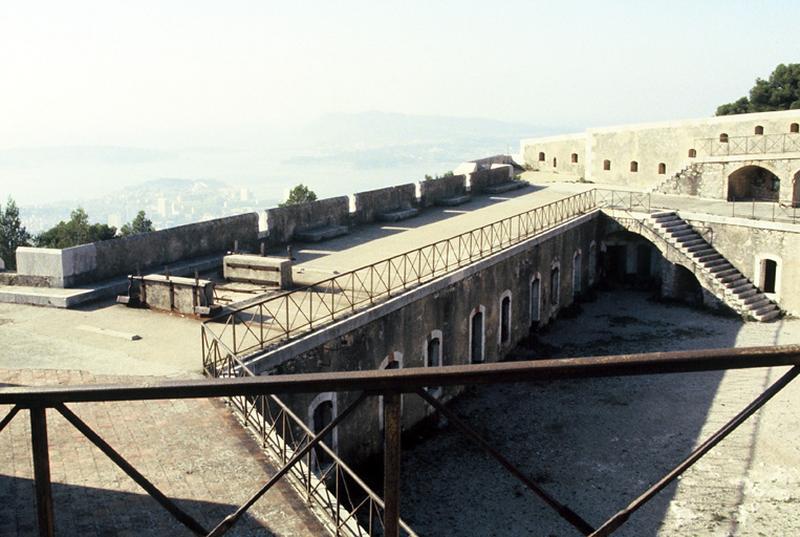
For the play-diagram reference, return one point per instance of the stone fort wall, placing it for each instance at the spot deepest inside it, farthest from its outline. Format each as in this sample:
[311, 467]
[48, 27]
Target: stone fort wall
[645, 155]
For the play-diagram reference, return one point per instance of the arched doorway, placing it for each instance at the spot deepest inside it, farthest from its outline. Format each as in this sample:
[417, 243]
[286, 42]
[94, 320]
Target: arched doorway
[796, 190]
[753, 183]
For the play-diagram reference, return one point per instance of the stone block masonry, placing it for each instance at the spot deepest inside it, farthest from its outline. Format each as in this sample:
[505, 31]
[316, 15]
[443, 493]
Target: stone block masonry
[370, 205]
[283, 223]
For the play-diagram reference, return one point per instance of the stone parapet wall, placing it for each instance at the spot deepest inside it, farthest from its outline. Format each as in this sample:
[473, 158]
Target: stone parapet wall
[434, 190]
[283, 222]
[369, 204]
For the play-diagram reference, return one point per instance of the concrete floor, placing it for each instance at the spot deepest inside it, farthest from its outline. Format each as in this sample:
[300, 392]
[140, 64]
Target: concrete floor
[597, 444]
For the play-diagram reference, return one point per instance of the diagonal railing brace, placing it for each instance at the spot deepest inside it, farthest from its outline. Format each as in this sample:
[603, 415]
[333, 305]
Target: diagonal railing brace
[10, 416]
[231, 519]
[179, 514]
[622, 516]
[565, 512]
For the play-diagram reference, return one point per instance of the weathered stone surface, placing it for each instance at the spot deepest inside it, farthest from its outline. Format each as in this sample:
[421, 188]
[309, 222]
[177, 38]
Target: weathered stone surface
[257, 269]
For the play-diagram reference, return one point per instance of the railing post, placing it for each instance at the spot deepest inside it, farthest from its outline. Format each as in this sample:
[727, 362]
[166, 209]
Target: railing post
[41, 472]
[391, 464]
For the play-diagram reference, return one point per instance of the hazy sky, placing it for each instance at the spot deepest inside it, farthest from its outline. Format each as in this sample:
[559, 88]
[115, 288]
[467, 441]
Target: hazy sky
[175, 73]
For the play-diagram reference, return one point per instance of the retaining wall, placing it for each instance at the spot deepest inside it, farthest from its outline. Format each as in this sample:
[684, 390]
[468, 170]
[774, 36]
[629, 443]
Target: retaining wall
[371, 203]
[283, 222]
[434, 190]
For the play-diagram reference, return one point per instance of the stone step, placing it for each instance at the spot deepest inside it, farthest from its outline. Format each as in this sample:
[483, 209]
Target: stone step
[724, 273]
[696, 248]
[728, 278]
[736, 282]
[765, 310]
[673, 225]
[758, 304]
[769, 316]
[697, 254]
[688, 242]
[664, 215]
[748, 293]
[681, 233]
[716, 264]
[708, 257]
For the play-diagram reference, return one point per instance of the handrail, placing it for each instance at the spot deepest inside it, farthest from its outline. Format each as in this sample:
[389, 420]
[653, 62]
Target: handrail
[749, 145]
[277, 318]
[388, 383]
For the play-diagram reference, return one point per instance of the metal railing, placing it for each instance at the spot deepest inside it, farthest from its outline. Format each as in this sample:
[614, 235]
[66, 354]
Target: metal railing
[345, 502]
[278, 318]
[764, 209]
[389, 384]
[749, 145]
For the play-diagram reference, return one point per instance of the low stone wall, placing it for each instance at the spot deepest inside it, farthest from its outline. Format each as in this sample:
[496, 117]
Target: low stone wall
[104, 260]
[283, 222]
[371, 203]
[481, 179]
[434, 190]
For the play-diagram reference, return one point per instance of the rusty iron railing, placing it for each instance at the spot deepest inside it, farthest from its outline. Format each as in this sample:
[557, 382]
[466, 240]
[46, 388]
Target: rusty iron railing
[344, 501]
[389, 384]
[758, 144]
[278, 318]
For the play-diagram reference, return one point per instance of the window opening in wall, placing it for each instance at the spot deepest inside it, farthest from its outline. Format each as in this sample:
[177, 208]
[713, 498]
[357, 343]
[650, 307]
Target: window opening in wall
[322, 416]
[592, 262]
[433, 358]
[794, 127]
[555, 162]
[541, 156]
[535, 299]
[574, 158]
[723, 138]
[693, 153]
[505, 319]
[476, 338]
[759, 130]
[555, 286]
[634, 166]
[606, 165]
[769, 269]
[662, 168]
[576, 274]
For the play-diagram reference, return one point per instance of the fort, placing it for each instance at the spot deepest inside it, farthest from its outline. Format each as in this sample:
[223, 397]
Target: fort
[434, 279]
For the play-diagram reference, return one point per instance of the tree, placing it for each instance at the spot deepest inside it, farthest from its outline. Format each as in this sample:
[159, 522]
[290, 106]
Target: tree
[12, 234]
[780, 92]
[140, 224]
[299, 194]
[76, 231]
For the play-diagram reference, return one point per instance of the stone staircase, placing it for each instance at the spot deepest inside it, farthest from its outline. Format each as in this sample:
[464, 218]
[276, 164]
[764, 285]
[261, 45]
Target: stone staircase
[733, 288]
[685, 182]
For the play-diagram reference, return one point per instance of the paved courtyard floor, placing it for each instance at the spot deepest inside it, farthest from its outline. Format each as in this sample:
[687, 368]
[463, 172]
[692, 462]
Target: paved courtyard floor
[597, 444]
[193, 450]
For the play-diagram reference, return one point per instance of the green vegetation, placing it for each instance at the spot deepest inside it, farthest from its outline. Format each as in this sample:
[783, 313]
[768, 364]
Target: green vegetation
[780, 92]
[445, 174]
[76, 231]
[12, 234]
[140, 224]
[299, 194]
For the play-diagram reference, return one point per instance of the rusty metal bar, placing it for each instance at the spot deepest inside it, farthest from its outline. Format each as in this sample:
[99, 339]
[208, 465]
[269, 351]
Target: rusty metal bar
[10, 416]
[179, 514]
[392, 456]
[231, 519]
[411, 379]
[41, 472]
[564, 511]
[622, 516]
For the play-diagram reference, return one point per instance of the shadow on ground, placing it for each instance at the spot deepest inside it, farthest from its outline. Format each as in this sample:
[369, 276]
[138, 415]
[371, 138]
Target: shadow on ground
[594, 444]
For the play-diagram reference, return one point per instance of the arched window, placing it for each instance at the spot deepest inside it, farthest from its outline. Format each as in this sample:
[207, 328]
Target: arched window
[432, 357]
[576, 274]
[555, 283]
[592, 262]
[693, 153]
[392, 361]
[634, 166]
[574, 158]
[476, 333]
[541, 156]
[555, 162]
[606, 165]
[536, 298]
[794, 127]
[504, 335]
[759, 130]
[662, 168]
[321, 412]
[723, 138]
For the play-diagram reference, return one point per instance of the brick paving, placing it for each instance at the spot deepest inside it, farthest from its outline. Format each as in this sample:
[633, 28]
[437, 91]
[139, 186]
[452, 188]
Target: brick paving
[193, 450]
